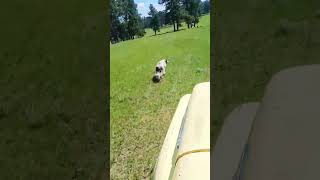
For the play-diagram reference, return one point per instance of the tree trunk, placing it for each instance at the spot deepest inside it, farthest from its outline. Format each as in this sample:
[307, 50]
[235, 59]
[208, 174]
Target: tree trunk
[177, 26]
[174, 27]
[155, 32]
[188, 26]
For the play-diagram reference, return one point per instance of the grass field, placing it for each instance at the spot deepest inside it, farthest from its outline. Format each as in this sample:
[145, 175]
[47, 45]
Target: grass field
[53, 90]
[141, 111]
[253, 41]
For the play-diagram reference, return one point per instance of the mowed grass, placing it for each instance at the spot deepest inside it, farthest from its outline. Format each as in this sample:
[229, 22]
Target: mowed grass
[53, 90]
[255, 40]
[141, 111]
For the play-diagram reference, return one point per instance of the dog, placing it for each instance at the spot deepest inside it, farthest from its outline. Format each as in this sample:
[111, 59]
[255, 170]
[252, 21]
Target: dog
[160, 70]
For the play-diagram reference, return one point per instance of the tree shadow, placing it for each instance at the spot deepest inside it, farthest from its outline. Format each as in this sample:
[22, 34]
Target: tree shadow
[182, 29]
[158, 34]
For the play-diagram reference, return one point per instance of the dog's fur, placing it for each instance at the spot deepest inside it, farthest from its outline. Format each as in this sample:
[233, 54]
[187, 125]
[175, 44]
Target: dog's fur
[160, 70]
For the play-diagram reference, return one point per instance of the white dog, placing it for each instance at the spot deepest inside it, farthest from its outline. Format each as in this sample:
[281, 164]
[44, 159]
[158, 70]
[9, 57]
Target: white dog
[160, 70]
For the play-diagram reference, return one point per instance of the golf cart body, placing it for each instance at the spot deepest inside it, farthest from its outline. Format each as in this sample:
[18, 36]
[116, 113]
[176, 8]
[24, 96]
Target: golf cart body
[185, 154]
[277, 138]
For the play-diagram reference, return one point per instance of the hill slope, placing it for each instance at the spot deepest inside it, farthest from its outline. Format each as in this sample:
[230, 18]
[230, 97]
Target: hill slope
[141, 111]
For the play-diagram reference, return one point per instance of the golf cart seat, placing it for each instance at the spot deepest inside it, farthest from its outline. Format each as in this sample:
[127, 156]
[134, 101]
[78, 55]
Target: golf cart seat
[277, 139]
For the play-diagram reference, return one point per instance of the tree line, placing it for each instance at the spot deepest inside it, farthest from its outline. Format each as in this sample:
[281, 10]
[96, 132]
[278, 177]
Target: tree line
[127, 24]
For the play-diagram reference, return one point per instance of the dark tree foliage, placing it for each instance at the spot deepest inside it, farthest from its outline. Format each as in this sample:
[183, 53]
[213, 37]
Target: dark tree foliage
[115, 21]
[155, 22]
[188, 19]
[205, 7]
[162, 18]
[187, 10]
[141, 32]
[191, 12]
[131, 18]
[174, 12]
[146, 22]
[195, 11]
[126, 23]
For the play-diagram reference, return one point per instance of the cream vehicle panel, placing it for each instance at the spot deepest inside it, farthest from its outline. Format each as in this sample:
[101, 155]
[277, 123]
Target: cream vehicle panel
[185, 153]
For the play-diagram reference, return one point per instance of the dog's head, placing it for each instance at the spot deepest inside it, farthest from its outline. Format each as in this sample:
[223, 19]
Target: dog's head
[156, 78]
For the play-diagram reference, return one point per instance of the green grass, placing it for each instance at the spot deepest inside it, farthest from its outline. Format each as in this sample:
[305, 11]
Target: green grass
[141, 111]
[255, 40]
[53, 90]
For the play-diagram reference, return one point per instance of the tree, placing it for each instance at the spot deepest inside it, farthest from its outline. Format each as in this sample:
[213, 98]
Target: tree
[187, 17]
[191, 12]
[141, 32]
[146, 22]
[131, 18]
[205, 7]
[195, 5]
[173, 10]
[114, 21]
[186, 12]
[154, 23]
[126, 23]
[162, 18]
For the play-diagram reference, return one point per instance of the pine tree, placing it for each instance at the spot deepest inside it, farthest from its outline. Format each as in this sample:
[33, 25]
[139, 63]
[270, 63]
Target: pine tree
[114, 22]
[126, 23]
[205, 7]
[131, 18]
[174, 12]
[191, 12]
[154, 23]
